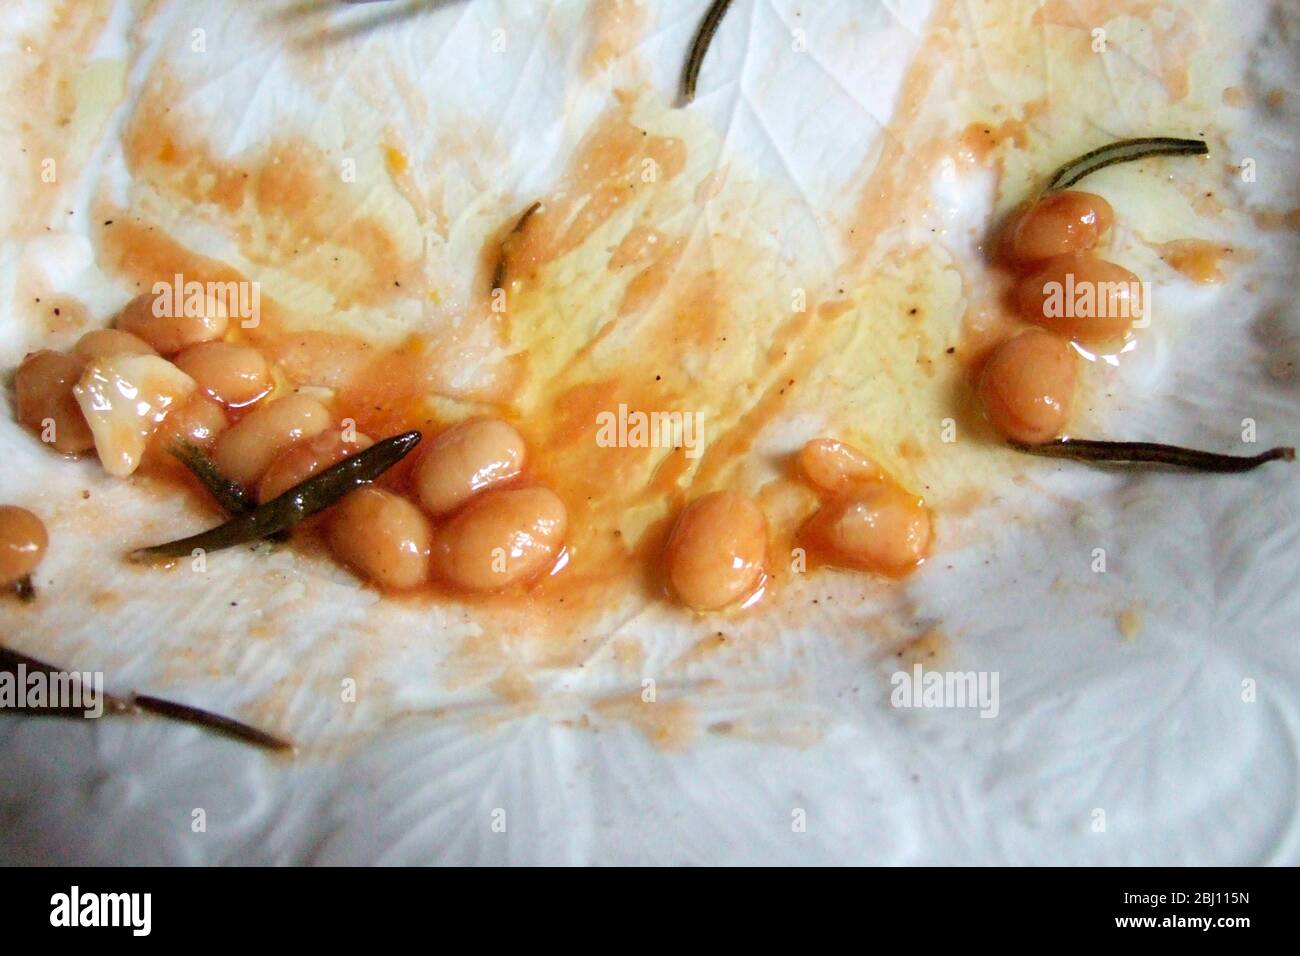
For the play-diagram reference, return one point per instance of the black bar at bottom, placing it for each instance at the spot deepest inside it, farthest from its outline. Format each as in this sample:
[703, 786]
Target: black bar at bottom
[333, 906]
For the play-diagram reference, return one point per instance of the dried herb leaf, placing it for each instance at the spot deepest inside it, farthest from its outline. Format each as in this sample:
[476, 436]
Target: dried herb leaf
[197, 717]
[232, 496]
[298, 503]
[499, 273]
[1149, 453]
[10, 661]
[700, 46]
[1124, 151]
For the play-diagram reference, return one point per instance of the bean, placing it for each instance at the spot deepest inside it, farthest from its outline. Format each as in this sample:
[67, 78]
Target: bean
[235, 375]
[23, 541]
[105, 343]
[247, 449]
[197, 420]
[46, 403]
[465, 460]
[504, 537]
[1028, 384]
[1061, 223]
[1081, 297]
[716, 550]
[879, 528]
[383, 537]
[309, 457]
[834, 466]
[175, 329]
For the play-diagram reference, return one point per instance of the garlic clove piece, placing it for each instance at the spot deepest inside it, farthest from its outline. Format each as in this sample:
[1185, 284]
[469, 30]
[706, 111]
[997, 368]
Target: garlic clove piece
[124, 398]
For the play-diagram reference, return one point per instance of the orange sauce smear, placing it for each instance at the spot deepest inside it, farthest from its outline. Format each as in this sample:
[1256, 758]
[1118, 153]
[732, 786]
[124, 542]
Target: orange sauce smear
[285, 214]
[1199, 260]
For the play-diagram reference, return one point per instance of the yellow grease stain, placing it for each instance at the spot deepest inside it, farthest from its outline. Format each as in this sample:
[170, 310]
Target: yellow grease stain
[623, 297]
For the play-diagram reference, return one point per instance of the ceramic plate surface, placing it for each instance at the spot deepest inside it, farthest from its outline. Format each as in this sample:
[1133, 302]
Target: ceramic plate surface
[1136, 633]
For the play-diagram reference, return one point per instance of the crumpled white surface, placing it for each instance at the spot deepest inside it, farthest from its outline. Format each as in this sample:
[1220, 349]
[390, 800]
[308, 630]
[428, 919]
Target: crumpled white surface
[805, 762]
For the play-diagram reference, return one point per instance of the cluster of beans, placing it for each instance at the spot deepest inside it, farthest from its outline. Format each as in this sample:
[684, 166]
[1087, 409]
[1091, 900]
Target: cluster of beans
[717, 551]
[1028, 384]
[229, 376]
[471, 523]
[467, 518]
[491, 532]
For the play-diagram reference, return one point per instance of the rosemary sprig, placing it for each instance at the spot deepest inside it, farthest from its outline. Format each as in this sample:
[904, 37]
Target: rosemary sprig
[1124, 151]
[138, 704]
[232, 496]
[700, 46]
[499, 273]
[298, 503]
[1150, 453]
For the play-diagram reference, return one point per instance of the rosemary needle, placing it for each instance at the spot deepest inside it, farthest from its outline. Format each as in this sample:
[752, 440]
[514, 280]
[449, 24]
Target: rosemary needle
[499, 273]
[700, 46]
[1124, 151]
[231, 495]
[10, 661]
[298, 503]
[226, 726]
[1150, 453]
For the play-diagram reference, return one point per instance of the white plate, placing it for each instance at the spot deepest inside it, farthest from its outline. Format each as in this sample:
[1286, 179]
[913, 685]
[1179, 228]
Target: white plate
[1176, 746]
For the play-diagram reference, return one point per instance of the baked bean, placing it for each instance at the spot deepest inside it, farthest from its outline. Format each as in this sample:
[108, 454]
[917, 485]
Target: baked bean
[878, 528]
[1060, 223]
[1081, 297]
[503, 537]
[104, 343]
[124, 399]
[716, 550]
[247, 449]
[383, 537]
[197, 420]
[235, 375]
[834, 466]
[23, 541]
[45, 401]
[176, 328]
[465, 460]
[1027, 386]
[309, 457]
